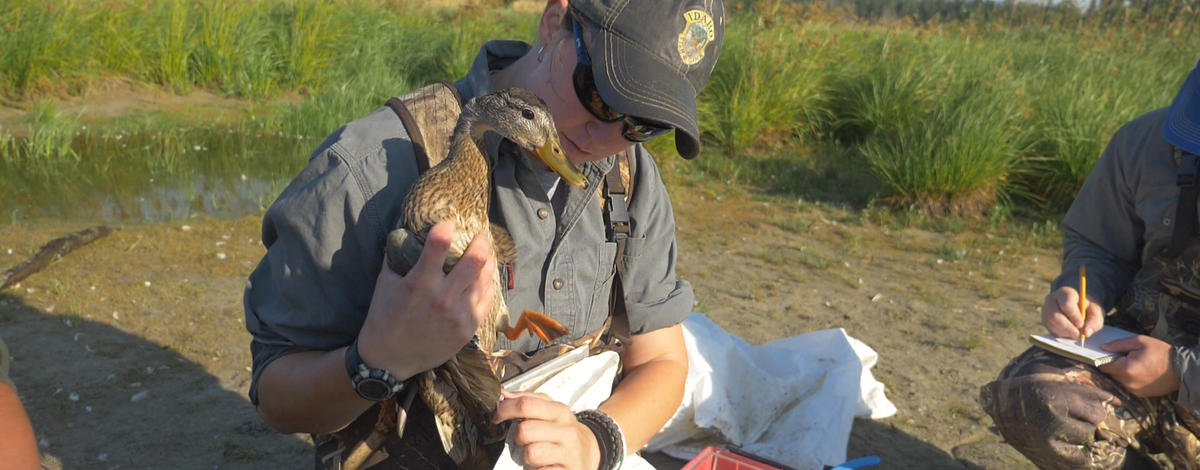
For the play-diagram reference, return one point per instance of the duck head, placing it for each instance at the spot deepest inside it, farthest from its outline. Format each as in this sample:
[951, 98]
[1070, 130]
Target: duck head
[520, 116]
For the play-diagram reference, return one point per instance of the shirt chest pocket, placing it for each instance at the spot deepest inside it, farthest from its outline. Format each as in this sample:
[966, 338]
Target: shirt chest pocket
[1156, 206]
[606, 254]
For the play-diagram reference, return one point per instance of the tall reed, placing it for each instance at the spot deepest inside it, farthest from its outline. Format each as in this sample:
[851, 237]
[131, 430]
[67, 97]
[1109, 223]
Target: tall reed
[1080, 93]
[952, 110]
[47, 149]
[171, 46]
[228, 55]
[307, 40]
[769, 87]
[39, 42]
[956, 160]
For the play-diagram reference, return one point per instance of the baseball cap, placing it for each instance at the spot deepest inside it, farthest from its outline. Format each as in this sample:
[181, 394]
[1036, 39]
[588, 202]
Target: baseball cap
[1182, 127]
[651, 58]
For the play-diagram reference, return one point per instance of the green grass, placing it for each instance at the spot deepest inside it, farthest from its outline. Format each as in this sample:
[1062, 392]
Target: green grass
[975, 340]
[999, 116]
[47, 148]
[252, 48]
[228, 55]
[953, 161]
[745, 108]
[888, 86]
[38, 42]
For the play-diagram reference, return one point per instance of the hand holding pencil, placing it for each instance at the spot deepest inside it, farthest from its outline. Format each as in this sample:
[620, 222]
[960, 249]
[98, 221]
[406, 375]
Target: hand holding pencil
[1067, 313]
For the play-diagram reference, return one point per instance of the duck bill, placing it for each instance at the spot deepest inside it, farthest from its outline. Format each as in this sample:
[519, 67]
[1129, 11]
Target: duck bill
[551, 153]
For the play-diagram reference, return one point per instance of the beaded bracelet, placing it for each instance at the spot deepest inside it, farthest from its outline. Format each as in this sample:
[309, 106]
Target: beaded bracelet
[608, 435]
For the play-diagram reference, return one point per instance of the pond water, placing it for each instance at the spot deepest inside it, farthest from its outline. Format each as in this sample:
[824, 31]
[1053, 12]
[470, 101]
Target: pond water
[155, 176]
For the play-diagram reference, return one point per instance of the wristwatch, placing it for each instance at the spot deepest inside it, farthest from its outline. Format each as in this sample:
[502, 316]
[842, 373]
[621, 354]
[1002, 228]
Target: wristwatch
[370, 383]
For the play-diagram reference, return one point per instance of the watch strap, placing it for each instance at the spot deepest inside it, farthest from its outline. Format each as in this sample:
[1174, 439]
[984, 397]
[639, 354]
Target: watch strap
[369, 382]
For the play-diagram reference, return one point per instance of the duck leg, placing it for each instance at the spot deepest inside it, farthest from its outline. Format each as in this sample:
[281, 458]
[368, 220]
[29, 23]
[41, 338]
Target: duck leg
[537, 324]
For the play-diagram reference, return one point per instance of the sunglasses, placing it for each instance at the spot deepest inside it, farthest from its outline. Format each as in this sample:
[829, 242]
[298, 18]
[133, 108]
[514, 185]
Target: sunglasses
[636, 130]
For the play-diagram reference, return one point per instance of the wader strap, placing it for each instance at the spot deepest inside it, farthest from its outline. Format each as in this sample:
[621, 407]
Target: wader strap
[617, 217]
[429, 115]
[1185, 208]
[414, 133]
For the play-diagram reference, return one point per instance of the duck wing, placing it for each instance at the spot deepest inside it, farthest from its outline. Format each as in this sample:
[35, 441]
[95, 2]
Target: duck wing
[463, 394]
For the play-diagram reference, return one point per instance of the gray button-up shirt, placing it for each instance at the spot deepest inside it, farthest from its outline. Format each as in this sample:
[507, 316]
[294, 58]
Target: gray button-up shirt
[4, 364]
[1123, 214]
[1123, 217]
[325, 238]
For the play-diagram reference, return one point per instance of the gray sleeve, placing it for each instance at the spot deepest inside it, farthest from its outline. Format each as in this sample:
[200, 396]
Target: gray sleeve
[303, 296]
[1186, 365]
[5, 360]
[324, 237]
[655, 298]
[1102, 229]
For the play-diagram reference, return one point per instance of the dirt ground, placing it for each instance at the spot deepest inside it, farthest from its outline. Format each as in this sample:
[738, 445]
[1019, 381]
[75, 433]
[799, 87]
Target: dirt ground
[131, 352]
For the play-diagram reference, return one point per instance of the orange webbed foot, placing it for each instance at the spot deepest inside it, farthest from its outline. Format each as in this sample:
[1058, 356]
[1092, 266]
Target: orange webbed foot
[544, 327]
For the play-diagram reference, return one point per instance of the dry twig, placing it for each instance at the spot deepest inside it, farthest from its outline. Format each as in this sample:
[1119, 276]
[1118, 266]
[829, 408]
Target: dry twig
[56, 248]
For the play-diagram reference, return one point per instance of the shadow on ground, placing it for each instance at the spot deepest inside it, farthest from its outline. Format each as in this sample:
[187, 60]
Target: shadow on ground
[826, 174]
[895, 448]
[838, 178]
[102, 398]
[898, 449]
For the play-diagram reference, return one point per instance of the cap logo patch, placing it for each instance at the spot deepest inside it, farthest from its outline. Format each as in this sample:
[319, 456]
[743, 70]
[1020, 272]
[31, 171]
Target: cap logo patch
[697, 33]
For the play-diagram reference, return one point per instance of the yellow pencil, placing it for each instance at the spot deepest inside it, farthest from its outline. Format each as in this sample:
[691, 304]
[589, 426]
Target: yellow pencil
[1083, 302]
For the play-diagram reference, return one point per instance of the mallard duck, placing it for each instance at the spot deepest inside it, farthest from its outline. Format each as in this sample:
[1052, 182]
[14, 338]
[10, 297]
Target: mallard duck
[463, 392]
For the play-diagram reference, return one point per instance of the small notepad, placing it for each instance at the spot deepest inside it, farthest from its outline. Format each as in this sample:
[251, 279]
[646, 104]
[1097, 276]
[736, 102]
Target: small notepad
[1092, 354]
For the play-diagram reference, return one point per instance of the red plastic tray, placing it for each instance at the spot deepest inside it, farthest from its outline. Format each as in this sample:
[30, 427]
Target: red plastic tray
[716, 458]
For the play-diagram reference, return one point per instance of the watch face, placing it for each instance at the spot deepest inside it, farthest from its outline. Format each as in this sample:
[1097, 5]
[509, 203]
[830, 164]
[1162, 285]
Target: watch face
[373, 389]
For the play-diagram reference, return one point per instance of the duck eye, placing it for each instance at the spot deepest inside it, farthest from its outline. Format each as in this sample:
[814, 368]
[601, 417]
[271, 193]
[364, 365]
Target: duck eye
[527, 113]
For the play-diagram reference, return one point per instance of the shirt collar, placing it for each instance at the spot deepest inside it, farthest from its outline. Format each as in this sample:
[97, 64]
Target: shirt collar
[493, 56]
